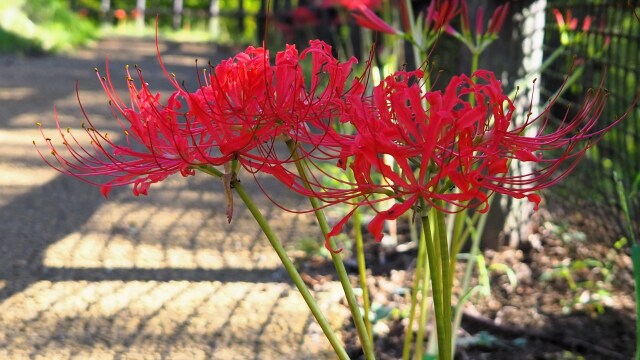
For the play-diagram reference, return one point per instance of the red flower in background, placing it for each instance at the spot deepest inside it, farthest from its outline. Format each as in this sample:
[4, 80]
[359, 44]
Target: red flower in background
[477, 41]
[353, 4]
[365, 17]
[440, 13]
[568, 22]
[568, 25]
[120, 14]
[495, 23]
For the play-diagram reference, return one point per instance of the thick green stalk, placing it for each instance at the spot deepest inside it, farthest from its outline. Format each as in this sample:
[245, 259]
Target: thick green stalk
[292, 271]
[362, 266]
[367, 345]
[440, 237]
[362, 272]
[475, 59]
[424, 309]
[211, 171]
[419, 274]
[418, 43]
[437, 284]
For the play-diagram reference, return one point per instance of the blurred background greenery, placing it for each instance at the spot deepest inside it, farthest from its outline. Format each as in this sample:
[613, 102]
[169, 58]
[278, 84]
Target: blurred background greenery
[49, 26]
[38, 26]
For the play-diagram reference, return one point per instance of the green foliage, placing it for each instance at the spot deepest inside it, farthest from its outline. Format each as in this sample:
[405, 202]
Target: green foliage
[37, 26]
[250, 5]
[195, 26]
[589, 281]
[312, 248]
[13, 43]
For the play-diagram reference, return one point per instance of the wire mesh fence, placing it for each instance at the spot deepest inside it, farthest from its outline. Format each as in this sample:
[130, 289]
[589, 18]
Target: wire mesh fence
[600, 43]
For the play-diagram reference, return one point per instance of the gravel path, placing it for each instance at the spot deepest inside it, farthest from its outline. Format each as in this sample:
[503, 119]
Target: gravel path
[154, 277]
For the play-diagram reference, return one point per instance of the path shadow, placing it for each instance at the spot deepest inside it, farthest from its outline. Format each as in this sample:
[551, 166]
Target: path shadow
[34, 222]
[31, 222]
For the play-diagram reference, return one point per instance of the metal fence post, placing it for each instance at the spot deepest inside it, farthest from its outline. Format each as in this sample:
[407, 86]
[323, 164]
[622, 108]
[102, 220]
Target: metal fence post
[140, 14]
[105, 6]
[178, 7]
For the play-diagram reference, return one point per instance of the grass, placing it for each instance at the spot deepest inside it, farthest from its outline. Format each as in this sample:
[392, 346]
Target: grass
[42, 26]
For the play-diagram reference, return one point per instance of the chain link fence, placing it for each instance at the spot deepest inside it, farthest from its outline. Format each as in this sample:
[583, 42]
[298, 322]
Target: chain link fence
[600, 41]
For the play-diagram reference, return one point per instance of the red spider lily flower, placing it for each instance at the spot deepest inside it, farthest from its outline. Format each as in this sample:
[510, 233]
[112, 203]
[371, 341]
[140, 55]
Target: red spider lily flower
[556, 152]
[481, 39]
[307, 109]
[365, 17]
[571, 23]
[163, 139]
[228, 103]
[157, 143]
[454, 151]
[240, 109]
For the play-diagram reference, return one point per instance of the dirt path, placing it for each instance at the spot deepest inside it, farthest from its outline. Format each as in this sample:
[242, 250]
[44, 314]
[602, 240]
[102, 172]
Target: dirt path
[162, 276]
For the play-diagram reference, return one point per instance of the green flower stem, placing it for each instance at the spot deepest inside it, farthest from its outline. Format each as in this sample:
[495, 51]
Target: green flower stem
[415, 35]
[440, 237]
[286, 262]
[362, 271]
[424, 309]
[635, 257]
[475, 57]
[367, 345]
[419, 274]
[461, 234]
[292, 271]
[439, 281]
[211, 171]
[476, 232]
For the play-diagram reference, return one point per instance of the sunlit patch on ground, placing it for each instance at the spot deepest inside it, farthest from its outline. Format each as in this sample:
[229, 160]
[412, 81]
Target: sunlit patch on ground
[15, 93]
[208, 320]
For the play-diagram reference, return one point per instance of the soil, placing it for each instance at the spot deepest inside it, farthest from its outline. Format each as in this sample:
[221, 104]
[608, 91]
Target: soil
[166, 277]
[570, 295]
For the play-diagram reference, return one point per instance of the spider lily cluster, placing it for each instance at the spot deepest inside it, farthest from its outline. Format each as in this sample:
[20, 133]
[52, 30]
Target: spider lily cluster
[446, 146]
[452, 149]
